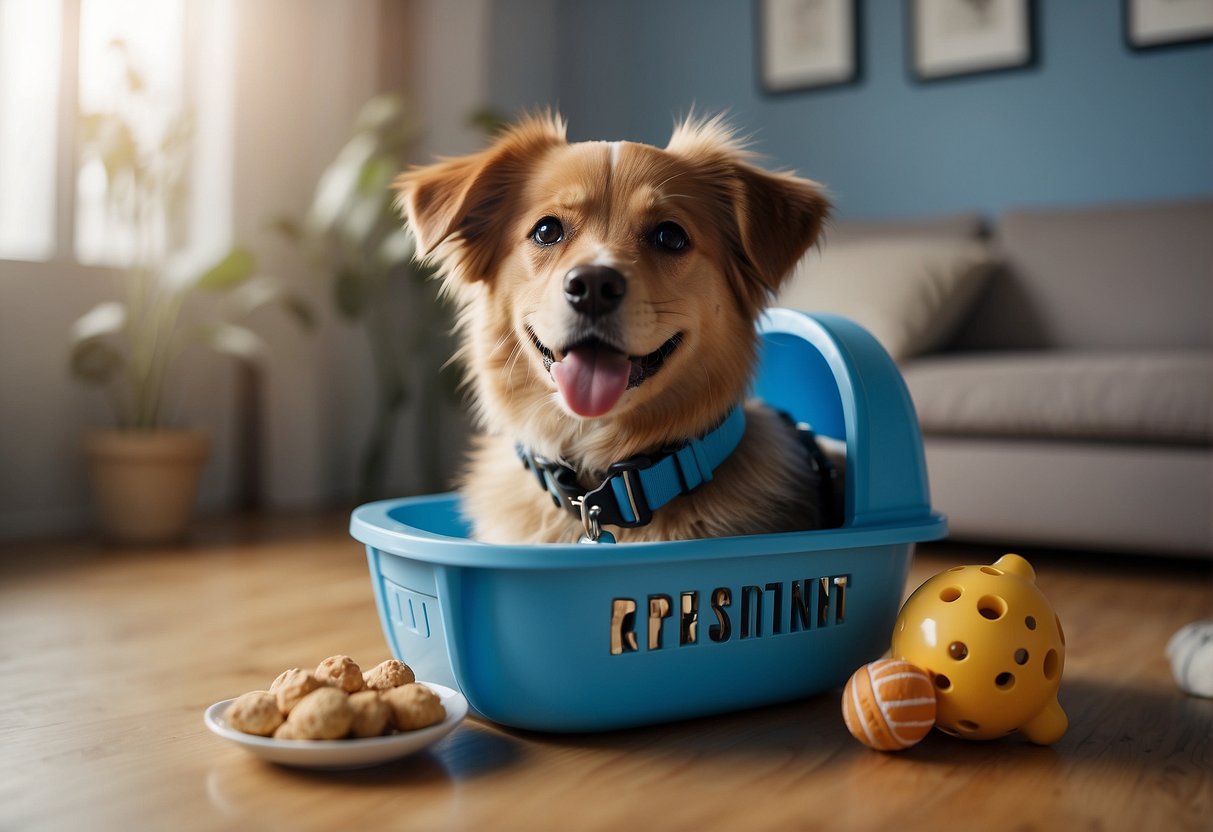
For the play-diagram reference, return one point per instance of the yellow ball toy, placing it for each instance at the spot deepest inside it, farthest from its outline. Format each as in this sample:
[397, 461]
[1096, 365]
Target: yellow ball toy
[993, 647]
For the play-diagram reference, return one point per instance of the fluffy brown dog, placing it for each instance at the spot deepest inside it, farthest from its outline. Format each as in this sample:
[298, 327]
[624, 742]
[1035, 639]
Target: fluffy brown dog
[608, 294]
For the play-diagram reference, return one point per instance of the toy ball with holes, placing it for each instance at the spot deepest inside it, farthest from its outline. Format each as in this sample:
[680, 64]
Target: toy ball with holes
[993, 647]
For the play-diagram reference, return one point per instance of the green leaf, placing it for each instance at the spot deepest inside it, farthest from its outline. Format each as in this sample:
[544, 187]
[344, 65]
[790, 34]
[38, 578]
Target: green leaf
[380, 113]
[93, 358]
[268, 291]
[177, 135]
[111, 139]
[237, 341]
[376, 175]
[338, 183]
[489, 121]
[95, 361]
[349, 294]
[299, 309]
[134, 79]
[361, 222]
[91, 126]
[108, 318]
[398, 247]
[288, 227]
[233, 270]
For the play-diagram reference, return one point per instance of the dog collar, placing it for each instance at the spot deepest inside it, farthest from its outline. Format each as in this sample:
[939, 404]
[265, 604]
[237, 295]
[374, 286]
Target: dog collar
[636, 487]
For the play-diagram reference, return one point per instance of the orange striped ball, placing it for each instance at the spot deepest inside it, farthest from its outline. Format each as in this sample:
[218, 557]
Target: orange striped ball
[889, 705]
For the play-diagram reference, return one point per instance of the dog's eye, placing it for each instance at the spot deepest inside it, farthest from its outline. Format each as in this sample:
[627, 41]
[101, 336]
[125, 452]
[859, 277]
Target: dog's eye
[670, 237]
[547, 232]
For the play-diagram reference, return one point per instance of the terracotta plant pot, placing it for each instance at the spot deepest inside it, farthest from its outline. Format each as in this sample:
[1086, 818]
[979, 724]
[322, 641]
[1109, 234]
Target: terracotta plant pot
[145, 482]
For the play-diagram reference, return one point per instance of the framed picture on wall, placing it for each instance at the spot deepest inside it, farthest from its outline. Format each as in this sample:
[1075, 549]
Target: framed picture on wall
[807, 44]
[964, 37]
[1153, 23]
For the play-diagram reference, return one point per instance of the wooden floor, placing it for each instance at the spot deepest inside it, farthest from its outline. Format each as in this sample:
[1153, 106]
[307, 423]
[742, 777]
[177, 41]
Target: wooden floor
[108, 658]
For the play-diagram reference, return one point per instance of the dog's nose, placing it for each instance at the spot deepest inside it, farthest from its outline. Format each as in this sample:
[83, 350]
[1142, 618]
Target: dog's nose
[594, 290]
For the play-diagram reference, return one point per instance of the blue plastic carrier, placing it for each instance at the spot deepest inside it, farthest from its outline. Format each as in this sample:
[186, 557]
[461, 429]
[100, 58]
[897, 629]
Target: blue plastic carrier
[579, 637]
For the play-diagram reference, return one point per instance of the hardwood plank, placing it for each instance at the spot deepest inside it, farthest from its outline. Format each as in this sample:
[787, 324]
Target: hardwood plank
[109, 656]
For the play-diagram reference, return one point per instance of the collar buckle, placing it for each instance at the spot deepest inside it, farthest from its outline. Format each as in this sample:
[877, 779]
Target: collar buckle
[627, 504]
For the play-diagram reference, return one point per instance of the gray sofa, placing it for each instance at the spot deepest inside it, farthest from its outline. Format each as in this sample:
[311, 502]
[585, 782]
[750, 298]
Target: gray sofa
[1070, 403]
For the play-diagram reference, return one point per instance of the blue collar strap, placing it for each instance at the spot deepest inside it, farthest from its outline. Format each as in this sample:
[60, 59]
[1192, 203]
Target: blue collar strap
[636, 487]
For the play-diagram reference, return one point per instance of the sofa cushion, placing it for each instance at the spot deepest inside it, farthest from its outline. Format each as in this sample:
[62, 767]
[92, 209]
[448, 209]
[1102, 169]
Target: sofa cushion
[1149, 397]
[911, 293]
[1123, 277]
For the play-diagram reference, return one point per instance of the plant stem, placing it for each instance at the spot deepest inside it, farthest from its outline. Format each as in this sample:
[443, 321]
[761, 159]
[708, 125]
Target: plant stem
[392, 394]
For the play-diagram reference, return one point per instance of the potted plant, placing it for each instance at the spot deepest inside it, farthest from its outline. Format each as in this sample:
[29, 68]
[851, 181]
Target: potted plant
[145, 470]
[355, 233]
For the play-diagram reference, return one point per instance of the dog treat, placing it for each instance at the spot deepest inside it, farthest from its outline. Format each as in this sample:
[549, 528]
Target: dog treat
[324, 714]
[389, 674]
[337, 701]
[341, 672]
[255, 712]
[372, 716]
[414, 706]
[286, 731]
[277, 683]
[291, 686]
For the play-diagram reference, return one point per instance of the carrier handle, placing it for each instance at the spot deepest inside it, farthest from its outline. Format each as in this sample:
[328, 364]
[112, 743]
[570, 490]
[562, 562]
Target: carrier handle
[830, 372]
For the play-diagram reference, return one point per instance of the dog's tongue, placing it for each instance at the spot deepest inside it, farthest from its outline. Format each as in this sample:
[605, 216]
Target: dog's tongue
[592, 379]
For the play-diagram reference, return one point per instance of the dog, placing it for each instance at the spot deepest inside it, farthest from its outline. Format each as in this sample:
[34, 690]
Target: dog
[607, 294]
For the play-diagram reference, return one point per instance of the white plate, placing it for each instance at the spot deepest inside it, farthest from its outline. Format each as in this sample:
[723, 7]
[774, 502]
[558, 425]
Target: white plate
[355, 753]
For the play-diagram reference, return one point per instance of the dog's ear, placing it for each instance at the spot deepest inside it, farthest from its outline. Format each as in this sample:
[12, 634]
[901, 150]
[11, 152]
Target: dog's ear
[432, 198]
[779, 217]
[773, 218]
[456, 207]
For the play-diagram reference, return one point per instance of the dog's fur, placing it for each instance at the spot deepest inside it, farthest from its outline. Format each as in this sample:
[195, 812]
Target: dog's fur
[476, 217]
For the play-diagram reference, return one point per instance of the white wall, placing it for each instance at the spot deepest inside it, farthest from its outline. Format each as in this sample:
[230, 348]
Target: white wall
[452, 73]
[305, 67]
[321, 398]
[449, 81]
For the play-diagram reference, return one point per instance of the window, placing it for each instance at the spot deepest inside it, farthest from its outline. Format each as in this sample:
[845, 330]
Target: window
[131, 65]
[29, 95]
[64, 60]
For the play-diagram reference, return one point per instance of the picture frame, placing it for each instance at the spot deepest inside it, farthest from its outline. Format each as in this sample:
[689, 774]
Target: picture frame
[956, 38]
[1152, 24]
[807, 44]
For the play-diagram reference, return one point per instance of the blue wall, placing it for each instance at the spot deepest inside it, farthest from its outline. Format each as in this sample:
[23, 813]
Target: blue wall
[1092, 122]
